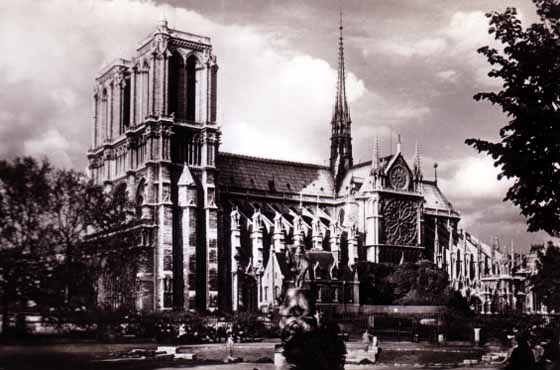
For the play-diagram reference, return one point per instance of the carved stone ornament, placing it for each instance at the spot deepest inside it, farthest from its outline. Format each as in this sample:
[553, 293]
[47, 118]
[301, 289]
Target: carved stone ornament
[399, 177]
[166, 131]
[131, 142]
[108, 155]
[400, 221]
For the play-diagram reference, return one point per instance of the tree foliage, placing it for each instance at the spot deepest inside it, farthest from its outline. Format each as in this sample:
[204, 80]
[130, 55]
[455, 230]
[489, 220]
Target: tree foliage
[46, 215]
[546, 282]
[420, 283]
[375, 287]
[528, 151]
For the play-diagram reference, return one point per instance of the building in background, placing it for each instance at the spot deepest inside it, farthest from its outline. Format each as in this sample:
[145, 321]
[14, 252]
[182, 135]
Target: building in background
[222, 230]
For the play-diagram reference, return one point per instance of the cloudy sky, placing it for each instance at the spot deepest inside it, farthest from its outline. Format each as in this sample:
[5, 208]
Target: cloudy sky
[412, 69]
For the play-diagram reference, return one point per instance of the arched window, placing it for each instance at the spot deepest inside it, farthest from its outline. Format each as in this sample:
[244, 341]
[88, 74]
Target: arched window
[145, 91]
[458, 264]
[194, 151]
[191, 88]
[104, 115]
[140, 197]
[126, 105]
[177, 86]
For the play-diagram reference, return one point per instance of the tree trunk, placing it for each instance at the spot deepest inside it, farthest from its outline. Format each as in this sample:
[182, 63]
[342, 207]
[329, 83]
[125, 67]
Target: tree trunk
[5, 312]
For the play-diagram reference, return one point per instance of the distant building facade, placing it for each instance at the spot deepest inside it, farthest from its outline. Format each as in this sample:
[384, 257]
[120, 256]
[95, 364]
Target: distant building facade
[229, 231]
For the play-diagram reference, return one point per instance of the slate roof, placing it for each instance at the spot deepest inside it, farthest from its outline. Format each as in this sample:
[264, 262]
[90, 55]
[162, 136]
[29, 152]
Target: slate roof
[270, 175]
[245, 172]
[360, 172]
[435, 199]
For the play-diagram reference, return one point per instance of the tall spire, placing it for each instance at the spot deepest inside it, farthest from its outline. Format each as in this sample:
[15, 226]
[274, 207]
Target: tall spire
[341, 139]
[341, 112]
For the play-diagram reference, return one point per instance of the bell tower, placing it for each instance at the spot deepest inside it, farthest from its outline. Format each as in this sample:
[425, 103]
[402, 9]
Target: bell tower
[155, 134]
[341, 136]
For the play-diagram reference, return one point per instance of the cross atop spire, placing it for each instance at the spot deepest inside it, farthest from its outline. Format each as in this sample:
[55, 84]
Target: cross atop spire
[341, 139]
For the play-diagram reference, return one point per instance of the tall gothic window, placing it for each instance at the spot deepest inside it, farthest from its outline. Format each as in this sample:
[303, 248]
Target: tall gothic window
[140, 198]
[182, 87]
[126, 106]
[214, 95]
[177, 86]
[191, 88]
[104, 115]
[458, 263]
[145, 108]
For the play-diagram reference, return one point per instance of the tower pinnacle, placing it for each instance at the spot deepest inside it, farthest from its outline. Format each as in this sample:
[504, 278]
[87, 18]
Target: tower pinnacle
[375, 161]
[341, 139]
[162, 24]
[417, 164]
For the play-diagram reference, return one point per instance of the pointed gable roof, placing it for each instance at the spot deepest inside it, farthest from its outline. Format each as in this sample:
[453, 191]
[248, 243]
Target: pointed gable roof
[435, 200]
[398, 158]
[186, 177]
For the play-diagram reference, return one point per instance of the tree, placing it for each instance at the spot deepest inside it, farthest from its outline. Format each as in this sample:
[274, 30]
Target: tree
[26, 252]
[75, 207]
[47, 259]
[375, 287]
[112, 250]
[420, 283]
[528, 151]
[546, 282]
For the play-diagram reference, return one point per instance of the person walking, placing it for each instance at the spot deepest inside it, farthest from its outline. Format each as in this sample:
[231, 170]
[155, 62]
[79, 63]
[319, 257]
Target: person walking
[229, 345]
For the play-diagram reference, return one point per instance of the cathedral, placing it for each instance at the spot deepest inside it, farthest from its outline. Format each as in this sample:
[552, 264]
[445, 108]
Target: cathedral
[233, 232]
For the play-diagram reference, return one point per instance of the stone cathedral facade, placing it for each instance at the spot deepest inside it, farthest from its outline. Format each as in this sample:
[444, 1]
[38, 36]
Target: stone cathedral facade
[228, 231]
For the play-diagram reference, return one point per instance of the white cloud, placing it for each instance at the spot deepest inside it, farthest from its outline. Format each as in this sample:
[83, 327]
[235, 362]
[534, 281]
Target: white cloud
[475, 178]
[51, 144]
[265, 90]
[457, 41]
[408, 48]
[467, 31]
[447, 75]
[410, 111]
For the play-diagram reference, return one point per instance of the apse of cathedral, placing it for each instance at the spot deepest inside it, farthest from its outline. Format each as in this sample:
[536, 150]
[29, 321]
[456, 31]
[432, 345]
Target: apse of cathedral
[228, 231]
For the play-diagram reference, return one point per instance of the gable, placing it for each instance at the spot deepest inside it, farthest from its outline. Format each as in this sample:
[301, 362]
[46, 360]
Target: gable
[399, 174]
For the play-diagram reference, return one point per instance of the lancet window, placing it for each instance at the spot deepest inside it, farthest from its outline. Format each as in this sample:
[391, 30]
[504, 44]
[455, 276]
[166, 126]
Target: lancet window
[125, 106]
[183, 87]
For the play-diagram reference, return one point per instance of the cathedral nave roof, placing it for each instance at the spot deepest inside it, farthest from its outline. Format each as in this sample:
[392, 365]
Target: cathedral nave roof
[271, 175]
